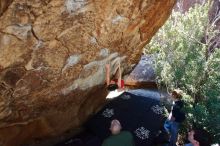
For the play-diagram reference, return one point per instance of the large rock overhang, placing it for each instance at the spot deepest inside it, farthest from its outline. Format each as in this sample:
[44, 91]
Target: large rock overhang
[53, 55]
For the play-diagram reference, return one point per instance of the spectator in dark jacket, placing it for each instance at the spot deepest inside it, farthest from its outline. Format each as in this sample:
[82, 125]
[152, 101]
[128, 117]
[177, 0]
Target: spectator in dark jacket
[176, 117]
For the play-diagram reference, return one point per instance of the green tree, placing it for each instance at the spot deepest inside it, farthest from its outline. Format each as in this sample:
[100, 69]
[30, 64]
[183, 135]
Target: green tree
[184, 60]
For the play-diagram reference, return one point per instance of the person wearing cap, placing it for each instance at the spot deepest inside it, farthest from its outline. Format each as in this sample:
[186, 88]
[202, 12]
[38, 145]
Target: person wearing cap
[199, 137]
[118, 137]
[176, 117]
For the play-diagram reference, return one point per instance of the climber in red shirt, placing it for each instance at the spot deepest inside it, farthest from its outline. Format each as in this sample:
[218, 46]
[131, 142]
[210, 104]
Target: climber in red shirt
[116, 81]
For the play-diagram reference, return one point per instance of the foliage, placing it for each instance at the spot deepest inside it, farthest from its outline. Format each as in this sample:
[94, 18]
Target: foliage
[184, 61]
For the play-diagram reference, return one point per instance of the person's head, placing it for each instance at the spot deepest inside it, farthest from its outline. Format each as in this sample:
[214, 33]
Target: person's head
[176, 95]
[199, 137]
[115, 127]
[112, 86]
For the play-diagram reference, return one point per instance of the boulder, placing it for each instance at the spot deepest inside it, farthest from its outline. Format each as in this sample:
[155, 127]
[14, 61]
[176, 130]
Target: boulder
[53, 55]
[143, 75]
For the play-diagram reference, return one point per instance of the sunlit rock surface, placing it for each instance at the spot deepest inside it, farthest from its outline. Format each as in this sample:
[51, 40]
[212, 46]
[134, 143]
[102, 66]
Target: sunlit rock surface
[53, 55]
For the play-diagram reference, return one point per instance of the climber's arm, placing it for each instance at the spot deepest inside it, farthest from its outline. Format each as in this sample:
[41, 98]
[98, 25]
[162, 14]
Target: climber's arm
[107, 66]
[119, 78]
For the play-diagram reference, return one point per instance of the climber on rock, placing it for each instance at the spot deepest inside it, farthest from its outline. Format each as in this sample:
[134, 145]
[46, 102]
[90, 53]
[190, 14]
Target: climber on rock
[116, 82]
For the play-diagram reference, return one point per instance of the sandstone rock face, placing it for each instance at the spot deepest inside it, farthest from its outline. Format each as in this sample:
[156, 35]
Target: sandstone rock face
[4, 5]
[53, 55]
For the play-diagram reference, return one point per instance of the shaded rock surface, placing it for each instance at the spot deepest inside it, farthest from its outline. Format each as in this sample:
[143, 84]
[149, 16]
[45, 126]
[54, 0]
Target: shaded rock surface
[143, 75]
[53, 55]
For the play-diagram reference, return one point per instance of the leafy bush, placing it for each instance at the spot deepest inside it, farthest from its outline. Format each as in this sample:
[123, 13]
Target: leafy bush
[185, 61]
